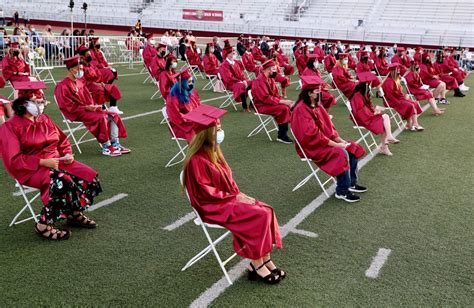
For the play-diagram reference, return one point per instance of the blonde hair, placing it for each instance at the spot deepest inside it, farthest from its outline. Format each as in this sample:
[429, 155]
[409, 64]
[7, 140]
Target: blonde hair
[396, 77]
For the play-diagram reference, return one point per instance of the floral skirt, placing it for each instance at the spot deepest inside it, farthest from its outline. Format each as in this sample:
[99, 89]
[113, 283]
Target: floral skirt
[68, 194]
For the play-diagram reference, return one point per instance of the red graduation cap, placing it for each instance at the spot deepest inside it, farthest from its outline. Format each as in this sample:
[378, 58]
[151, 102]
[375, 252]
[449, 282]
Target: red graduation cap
[29, 85]
[393, 66]
[312, 56]
[14, 45]
[400, 49]
[71, 62]
[204, 116]
[210, 44]
[227, 50]
[364, 54]
[227, 43]
[160, 44]
[183, 74]
[343, 55]
[268, 63]
[366, 77]
[311, 82]
[82, 49]
[276, 42]
[149, 36]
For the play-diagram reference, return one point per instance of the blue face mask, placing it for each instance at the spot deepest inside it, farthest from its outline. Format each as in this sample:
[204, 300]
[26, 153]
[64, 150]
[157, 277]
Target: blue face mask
[79, 74]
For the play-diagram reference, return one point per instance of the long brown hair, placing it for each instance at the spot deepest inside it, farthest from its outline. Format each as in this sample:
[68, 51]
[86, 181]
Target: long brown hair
[396, 77]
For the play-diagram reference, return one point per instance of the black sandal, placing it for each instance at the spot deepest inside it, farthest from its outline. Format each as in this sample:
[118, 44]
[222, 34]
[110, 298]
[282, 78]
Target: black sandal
[81, 221]
[52, 232]
[276, 270]
[271, 278]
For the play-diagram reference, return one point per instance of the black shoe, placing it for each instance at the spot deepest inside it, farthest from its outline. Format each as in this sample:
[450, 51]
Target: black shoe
[349, 197]
[358, 189]
[458, 93]
[285, 139]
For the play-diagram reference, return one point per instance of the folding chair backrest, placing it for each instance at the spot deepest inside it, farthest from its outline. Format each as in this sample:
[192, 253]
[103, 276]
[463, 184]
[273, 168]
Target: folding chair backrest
[165, 117]
[299, 145]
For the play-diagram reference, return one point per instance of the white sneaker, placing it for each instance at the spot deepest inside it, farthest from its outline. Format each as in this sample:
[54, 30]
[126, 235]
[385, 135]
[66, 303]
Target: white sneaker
[463, 88]
[115, 109]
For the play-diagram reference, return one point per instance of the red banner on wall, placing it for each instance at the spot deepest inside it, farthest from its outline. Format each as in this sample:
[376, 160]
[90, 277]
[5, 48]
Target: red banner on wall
[207, 15]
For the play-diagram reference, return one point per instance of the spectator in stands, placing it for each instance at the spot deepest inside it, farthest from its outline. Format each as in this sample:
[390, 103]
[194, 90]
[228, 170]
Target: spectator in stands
[267, 99]
[216, 197]
[240, 45]
[233, 77]
[64, 44]
[91, 33]
[401, 102]
[369, 116]
[330, 60]
[466, 59]
[14, 66]
[174, 44]
[182, 99]
[327, 99]
[16, 19]
[217, 49]
[391, 52]
[313, 129]
[183, 45]
[38, 154]
[33, 37]
[76, 103]
[50, 43]
[138, 26]
[210, 62]
[168, 77]
[421, 91]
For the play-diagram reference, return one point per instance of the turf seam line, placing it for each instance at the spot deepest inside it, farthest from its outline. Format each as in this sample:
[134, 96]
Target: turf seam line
[107, 202]
[178, 223]
[305, 233]
[213, 292]
[377, 262]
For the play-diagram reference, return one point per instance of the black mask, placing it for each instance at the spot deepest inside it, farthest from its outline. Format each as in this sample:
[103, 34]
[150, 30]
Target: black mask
[163, 53]
[190, 87]
[273, 75]
[88, 58]
[365, 59]
[97, 46]
[16, 53]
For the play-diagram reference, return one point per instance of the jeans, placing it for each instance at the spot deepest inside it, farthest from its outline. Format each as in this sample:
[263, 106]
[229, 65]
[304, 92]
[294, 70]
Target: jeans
[347, 178]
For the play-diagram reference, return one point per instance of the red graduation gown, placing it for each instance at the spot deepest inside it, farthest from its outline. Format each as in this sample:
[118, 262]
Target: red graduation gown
[382, 66]
[329, 62]
[213, 193]
[11, 66]
[397, 100]
[249, 63]
[417, 57]
[101, 93]
[363, 112]
[166, 81]
[73, 97]
[404, 62]
[211, 64]
[258, 55]
[414, 85]
[343, 80]
[267, 99]
[107, 74]
[454, 68]
[25, 142]
[288, 69]
[366, 68]
[327, 99]
[427, 74]
[233, 77]
[149, 52]
[313, 129]
[319, 52]
[194, 58]
[3, 100]
[301, 61]
[175, 110]
[158, 64]
[451, 82]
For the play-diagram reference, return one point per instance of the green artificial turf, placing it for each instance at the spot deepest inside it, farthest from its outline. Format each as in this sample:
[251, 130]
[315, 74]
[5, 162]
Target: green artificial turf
[419, 205]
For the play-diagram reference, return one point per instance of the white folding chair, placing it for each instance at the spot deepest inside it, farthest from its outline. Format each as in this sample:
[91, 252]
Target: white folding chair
[145, 69]
[212, 243]
[367, 137]
[394, 115]
[314, 171]
[181, 142]
[264, 120]
[24, 191]
[229, 101]
[211, 82]
[43, 72]
[125, 54]
[340, 95]
[194, 69]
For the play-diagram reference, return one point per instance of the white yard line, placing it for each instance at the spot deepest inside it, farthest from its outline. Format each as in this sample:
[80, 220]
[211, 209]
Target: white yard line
[178, 223]
[377, 263]
[209, 295]
[107, 202]
[304, 233]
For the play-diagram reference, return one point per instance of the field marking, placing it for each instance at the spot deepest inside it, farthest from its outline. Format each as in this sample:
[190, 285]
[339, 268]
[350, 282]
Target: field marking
[27, 191]
[213, 292]
[107, 202]
[377, 262]
[305, 233]
[178, 223]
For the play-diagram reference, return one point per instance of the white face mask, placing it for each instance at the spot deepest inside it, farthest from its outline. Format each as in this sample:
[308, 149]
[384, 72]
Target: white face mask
[174, 65]
[34, 109]
[79, 74]
[153, 42]
[234, 57]
[316, 64]
[345, 61]
[220, 136]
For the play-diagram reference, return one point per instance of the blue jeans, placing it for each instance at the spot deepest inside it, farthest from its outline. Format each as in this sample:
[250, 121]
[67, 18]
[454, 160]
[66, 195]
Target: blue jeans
[347, 178]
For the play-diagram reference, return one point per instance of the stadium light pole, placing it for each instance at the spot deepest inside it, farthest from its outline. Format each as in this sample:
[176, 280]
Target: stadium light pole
[84, 7]
[71, 6]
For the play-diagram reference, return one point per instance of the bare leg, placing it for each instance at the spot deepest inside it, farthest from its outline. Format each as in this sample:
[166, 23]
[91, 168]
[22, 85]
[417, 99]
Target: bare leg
[388, 128]
[440, 91]
[436, 110]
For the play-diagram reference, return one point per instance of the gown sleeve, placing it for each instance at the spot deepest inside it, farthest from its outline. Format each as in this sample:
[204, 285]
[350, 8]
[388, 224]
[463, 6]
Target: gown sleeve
[14, 159]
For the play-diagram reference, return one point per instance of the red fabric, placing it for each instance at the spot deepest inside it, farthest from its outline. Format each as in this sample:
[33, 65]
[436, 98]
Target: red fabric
[355, 149]
[397, 100]
[101, 93]
[327, 99]
[258, 55]
[451, 82]
[213, 193]
[343, 80]
[417, 57]
[211, 64]
[428, 75]
[25, 142]
[98, 59]
[175, 110]
[404, 62]
[363, 112]
[194, 58]
[453, 66]
[351, 63]
[149, 52]
[11, 66]
[158, 64]
[73, 97]
[382, 66]
[329, 62]
[365, 67]
[233, 77]
[319, 52]
[414, 85]
[249, 63]
[313, 129]
[166, 82]
[301, 61]
[267, 99]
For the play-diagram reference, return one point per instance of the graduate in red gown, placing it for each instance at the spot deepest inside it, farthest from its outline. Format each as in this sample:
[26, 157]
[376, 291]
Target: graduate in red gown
[168, 76]
[267, 100]
[149, 51]
[366, 65]
[301, 59]
[5, 104]
[330, 60]
[210, 62]
[283, 80]
[282, 59]
[319, 52]
[76, 103]
[158, 63]
[402, 58]
[351, 63]
[431, 79]
[182, 99]
[258, 55]
[38, 154]
[420, 91]
[317, 136]
[381, 63]
[107, 73]
[233, 77]
[450, 65]
[432, 75]
[14, 66]
[101, 92]
[396, 99]
[417, 57]
[248, 59]
[369, 116]
[327, 99]
[194, 57]
[216, 197]
[341, 76]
